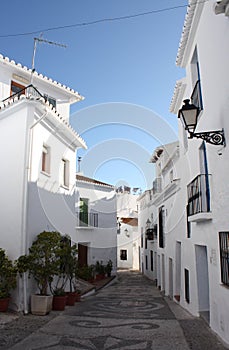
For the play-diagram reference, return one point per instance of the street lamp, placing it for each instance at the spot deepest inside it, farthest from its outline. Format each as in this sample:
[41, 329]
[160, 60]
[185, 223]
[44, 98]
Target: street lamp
[188, 115]
[127, 233]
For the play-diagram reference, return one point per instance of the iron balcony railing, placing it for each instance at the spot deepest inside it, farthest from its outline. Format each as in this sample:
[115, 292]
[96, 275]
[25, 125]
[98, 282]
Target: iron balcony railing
[199, 195]
[88, 219]
[196, 97]
[28, 91]
[224, 256]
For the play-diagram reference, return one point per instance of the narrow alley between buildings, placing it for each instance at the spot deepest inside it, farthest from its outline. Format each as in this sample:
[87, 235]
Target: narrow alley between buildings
[129, 314]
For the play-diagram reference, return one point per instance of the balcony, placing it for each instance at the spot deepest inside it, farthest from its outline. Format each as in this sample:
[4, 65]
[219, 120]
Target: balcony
[224, 257]
[28, 91]
[88, 220]
[198, 208]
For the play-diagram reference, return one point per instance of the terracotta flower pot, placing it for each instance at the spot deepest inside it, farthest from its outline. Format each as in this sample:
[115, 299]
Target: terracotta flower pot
[100, 276]
[4, 303]
[78, 296]
[59, 302]
[71, 298]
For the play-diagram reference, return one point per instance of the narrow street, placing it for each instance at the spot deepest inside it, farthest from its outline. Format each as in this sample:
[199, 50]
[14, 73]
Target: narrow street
[129, 314]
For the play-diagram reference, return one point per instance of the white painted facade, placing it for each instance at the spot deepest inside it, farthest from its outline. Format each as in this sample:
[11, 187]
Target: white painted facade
[128, 239]
[196, 258]
[36, 138]
[99, 236]
[157, 215]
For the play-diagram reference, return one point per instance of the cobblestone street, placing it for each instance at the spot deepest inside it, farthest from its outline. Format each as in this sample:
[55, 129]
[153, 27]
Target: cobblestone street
[129, 314]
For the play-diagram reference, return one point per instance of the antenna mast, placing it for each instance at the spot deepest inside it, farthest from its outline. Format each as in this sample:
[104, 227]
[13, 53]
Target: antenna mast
[41, 40]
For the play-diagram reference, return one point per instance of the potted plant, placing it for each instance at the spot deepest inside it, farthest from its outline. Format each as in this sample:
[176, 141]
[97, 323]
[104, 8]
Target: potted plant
[108, 268]
[42, 263]
[65, 273]
[8, 279]
[100, 270]
[70, 269]
[86, 273]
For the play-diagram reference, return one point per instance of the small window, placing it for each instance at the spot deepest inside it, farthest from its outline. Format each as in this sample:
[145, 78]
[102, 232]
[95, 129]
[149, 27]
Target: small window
[224, 256]
[171, 175]
[141, 237]
[123, 254]
[188, 223]
[146, 242]
[151, 260]
[50, 99]
[83, 211]
[146, 259]
[64, 173]
[45, 162]
[17, 89]
[186, 281]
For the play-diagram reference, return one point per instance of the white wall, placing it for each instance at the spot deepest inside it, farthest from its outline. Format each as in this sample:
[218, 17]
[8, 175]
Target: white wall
[212, 44]
[101, 240]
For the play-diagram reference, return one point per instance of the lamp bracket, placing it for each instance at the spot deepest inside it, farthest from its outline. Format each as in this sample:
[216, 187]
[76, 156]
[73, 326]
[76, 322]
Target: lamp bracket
[214, 137]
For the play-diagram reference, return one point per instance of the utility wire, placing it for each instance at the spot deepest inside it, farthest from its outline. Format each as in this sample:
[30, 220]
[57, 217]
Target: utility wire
[101, 20]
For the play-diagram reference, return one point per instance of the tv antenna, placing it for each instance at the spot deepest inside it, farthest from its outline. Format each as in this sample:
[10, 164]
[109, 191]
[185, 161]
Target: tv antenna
[41, 40]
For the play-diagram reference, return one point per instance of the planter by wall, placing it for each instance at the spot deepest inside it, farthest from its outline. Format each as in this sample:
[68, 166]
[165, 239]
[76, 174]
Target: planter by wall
[4, 303]
[41, 304]
[70, 298]
[59, 302]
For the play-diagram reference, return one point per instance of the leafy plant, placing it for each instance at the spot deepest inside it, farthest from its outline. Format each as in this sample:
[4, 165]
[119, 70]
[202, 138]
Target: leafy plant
[85, 272]
[108, 267]
[67, 266]
[43, 260]
[8, 275]
[100, 268]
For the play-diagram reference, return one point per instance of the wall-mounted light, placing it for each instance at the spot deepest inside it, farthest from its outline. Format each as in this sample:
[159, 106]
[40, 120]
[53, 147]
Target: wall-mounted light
[148, 223]
[188, 115]
[127, 232]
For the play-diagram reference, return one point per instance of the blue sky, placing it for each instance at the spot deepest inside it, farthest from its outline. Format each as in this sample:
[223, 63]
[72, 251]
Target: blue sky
[125, 69]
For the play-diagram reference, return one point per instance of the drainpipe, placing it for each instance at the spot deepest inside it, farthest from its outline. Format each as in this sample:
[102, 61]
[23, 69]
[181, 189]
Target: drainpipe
[27, 168]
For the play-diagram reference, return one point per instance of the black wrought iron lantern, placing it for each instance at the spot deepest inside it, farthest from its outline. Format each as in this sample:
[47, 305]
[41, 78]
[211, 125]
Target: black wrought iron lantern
[189, 116]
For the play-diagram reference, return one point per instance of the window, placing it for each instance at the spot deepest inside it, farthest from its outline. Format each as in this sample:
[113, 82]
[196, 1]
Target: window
[146, 259]
[145, 242]
[196, 97]
[171, 175]
[161, 225]
[186, 281]
[45, 161]
[64, 173]
[188, 223]
[17, 89]
[50, 99]
[224, 256]
[123, 254]
[151, 260]
[83, 212]
[141, 237]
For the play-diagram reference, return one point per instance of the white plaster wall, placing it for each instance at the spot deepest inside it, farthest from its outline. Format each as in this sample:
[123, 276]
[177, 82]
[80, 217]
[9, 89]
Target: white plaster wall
[14, 137]
[213, 52]
[101, 240]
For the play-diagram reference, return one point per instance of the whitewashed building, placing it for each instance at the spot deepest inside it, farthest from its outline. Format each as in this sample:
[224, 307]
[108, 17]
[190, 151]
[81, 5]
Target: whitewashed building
[128, 238]
[201, 268]
[96, 228]
[38, 154]
[158, 216]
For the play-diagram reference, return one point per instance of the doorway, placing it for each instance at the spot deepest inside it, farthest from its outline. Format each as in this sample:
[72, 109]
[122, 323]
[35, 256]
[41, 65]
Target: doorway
[202, 281]
[82, 254]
